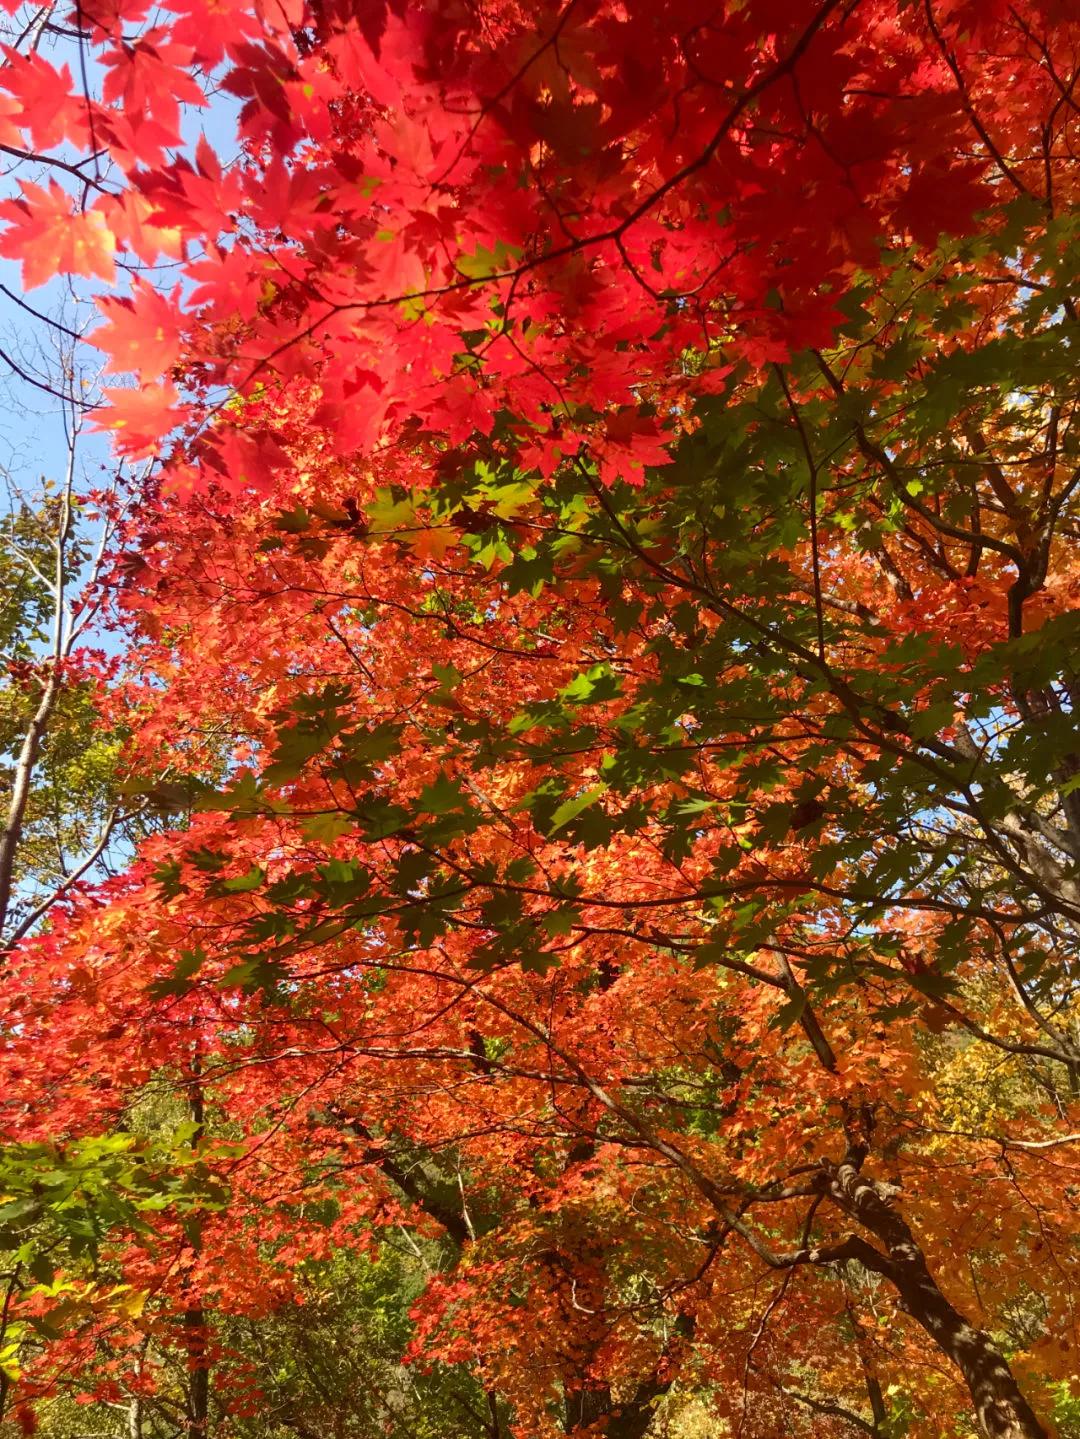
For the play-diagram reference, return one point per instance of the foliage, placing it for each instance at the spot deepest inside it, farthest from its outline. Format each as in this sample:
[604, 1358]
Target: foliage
[620, 520]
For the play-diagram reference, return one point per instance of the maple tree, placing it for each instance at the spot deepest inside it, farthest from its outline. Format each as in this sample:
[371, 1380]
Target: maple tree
[618, 525]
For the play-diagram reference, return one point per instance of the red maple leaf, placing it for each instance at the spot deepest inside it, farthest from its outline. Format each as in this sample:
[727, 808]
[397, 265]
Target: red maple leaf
[140, 419]
[152, 78]
[630, 442]
[50, 236]
[142, 333]
[49, 111]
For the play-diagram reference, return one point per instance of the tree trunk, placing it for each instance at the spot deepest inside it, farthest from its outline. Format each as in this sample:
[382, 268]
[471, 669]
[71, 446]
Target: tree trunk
[199, 1377]
[1001, 1410]
[11, 835]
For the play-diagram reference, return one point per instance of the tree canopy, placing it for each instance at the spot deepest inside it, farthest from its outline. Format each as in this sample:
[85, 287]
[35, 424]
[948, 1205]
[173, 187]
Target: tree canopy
[600, 618]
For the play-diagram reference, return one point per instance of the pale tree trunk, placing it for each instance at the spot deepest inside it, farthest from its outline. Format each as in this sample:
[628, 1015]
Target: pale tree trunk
[43, 711]
[69, 622]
